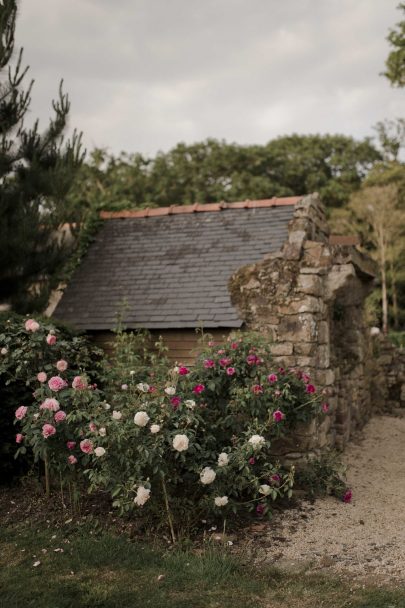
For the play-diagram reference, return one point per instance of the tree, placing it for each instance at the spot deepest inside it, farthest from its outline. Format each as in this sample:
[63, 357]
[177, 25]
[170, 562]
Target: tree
[381, 222]
[395, 63]
[36, 172]
[391, 137]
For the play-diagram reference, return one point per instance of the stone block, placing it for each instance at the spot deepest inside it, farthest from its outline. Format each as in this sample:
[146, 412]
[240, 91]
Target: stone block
[283, 348]
[325, 377]
[323, 332]
[310, 284]
[298, 328]
[306, 349]
[323, 357]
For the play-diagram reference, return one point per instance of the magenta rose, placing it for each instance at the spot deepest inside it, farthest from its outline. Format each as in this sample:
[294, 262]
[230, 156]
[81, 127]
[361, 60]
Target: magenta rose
[252, 360]
[199, 388]
[20, 412]
[19, 438]
[60, 416]
[86, 446]
[260, 509]
[48, 430]
[230, 371]
[183, 371]
[175, 401]
[257, 389]
[310, 388]
[325, 408]
[79, 383]
[208, 363]
[272, 378]
[234, 345]
[56, 383]
[252, 460]
[347, 496]
[225, 362]
[278, 416]
[51, 339]
[61, 365]
[71, 445]
[305, 378]
[275, 478]
[41, 377]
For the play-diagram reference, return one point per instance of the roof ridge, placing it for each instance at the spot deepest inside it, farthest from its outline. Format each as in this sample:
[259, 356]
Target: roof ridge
[200, 208]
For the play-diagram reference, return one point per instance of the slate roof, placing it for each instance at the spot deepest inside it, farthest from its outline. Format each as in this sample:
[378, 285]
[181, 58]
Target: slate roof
[169, 268]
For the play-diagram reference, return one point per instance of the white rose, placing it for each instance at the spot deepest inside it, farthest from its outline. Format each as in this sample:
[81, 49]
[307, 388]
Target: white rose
[221, 501]
[180, 443]
[265, 489]
[102, 432]
[107, 406]
[142, 495]
[141, 418]
[190, 403]
[143, 386]
[132, 372]
[99, 451]
[170, 390]
[116, 415]
[155, 428]
[223, 459]
[207, 475]
[257, 440]
[4, 350]
[36, 416]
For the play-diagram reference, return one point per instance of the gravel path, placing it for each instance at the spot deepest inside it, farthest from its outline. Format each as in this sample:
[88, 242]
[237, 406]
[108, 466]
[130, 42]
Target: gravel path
[364, 538]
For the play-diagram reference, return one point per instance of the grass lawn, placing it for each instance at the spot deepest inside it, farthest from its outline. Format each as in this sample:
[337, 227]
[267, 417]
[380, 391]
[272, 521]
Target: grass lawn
[107, 571]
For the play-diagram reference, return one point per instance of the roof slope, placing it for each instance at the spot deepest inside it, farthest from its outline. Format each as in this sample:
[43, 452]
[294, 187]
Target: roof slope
[171, 270]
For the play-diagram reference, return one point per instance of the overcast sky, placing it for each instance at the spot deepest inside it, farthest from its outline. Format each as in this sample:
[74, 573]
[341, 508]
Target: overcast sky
[143, 75]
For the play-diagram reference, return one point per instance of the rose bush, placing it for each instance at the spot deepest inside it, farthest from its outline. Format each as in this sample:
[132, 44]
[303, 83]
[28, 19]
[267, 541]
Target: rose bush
[174, 441]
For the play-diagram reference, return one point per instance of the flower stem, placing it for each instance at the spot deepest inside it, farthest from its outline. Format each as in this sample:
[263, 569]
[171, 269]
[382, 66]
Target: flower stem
[169, 515]
[47, 487]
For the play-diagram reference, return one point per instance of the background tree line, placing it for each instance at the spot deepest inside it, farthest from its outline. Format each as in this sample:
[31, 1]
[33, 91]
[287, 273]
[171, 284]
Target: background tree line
[45, 184]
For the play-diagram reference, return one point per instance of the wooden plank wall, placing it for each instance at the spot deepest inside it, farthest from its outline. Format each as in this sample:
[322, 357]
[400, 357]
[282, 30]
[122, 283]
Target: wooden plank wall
[182, 343]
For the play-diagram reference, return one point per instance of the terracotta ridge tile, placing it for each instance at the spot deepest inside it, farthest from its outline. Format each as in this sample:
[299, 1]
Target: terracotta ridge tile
[199, 208]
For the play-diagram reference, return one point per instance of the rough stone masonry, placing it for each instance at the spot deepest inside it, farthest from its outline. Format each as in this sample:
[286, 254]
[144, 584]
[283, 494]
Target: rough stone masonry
[309, 299]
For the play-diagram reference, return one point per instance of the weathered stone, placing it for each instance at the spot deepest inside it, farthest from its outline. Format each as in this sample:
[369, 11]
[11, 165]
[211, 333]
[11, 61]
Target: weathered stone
[284, 348]
[306, 349]
[323, 356]
[310, 284]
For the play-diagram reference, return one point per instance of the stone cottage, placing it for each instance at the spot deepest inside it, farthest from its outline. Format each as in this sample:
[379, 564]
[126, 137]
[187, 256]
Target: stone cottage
[268, 265]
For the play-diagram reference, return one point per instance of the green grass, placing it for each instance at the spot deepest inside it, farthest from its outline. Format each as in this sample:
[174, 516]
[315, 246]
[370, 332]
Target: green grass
[112, 572]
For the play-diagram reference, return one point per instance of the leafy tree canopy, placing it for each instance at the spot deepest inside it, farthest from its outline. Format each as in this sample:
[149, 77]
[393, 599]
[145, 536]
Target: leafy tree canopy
[395, 63]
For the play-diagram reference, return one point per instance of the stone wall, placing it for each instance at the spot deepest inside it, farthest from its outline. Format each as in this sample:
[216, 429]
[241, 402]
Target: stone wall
[388, 375]
[309, 299]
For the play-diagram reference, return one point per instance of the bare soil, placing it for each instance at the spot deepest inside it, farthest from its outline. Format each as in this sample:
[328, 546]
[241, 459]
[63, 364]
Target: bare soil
[365, 538]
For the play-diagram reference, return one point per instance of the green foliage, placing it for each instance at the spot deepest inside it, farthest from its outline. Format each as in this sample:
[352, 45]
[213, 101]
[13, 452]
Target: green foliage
[395, 63]
[210, 171]
[36, 171]
[323, 476]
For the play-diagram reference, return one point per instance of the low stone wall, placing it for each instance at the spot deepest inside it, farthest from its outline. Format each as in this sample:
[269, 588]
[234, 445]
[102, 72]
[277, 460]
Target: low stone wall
[309, 299]
[388, 376]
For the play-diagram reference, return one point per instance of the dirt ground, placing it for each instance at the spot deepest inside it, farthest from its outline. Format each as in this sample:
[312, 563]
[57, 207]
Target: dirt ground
[364, 538]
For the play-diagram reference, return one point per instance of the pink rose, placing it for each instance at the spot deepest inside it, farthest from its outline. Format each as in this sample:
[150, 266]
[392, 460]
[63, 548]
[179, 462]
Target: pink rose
[278, 416]
[275, 478]
[60, 416]
[50, 404]
[234, 345]
[221, 351]
[310, 388]
[61, 365]
[51, 339]
[225, 362]
[281, 371]
[86, 446]
[208, 363]
[48, 430]
[72, 459]
[305, 378]
[19, 438]
[31, 325]
[56, 383]
[252, 460]
[230, 371]
[252, 360]
[211, 343]
[152, 389]
[325, 408]
[277, 393]
[20, 412]
[41, 377]
[92, 427]
[199, 388]
[347, 496]
[260, 509]
[183, 371]
[272, 378]
[257, 389]
[71, 445]
[124, 387]
[175, 401]
[79, 383]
